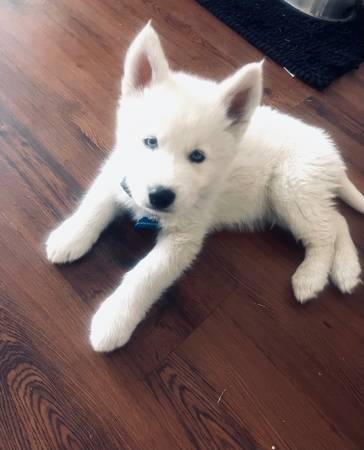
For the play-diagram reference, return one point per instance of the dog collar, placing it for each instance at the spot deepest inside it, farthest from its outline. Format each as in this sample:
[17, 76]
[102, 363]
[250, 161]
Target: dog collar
[147, 223]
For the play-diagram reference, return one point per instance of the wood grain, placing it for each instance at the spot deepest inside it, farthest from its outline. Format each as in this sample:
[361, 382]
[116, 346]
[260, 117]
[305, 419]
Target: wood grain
[227, 359]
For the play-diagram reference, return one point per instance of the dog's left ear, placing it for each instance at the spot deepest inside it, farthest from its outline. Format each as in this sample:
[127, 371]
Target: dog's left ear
[241, 93]
[145, 62]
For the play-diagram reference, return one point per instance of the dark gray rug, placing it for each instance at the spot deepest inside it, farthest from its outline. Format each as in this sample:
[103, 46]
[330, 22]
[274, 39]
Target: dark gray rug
[313, 50]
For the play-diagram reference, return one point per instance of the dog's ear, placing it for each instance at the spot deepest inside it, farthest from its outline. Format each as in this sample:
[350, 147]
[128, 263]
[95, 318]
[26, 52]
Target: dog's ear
[145, 62]
[241, 93]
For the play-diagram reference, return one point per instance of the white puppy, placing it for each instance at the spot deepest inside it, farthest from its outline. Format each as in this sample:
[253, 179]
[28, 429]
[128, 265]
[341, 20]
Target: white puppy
[197, 156]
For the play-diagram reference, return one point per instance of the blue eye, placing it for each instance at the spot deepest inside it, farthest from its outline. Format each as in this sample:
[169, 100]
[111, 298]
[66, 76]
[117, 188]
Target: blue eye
[151, 142]
[197, 156]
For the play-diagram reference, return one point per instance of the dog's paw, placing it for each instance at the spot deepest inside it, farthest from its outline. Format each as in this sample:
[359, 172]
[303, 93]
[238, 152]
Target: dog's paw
[345, 272]
[68, 242]
[307, 283]
[110, 327]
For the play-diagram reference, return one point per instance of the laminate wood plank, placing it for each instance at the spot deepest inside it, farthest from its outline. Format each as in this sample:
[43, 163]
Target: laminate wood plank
[277, 377]
[206, 420]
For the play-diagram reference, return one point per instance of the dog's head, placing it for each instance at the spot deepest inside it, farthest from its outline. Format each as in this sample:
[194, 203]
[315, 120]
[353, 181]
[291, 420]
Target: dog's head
[178, 133]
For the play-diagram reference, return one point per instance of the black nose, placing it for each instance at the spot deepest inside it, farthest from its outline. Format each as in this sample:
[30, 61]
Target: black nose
[160, 197]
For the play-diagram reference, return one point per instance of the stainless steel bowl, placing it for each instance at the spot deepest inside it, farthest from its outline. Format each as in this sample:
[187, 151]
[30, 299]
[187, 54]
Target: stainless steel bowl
[334, 10]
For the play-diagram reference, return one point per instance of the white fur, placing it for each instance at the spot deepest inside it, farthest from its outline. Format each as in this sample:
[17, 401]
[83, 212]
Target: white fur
[261, 166]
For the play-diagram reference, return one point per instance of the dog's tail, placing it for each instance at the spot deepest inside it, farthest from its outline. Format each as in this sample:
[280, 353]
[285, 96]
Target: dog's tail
[351, 195]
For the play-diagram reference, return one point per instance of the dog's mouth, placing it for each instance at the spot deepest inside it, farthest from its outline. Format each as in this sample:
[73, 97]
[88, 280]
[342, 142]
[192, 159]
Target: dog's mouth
[157, 212]
[125, 187]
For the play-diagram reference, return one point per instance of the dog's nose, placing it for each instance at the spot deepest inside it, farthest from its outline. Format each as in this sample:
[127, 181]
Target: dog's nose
[161, 197]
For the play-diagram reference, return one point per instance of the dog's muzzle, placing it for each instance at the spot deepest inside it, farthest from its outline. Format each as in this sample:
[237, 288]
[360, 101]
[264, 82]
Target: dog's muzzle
[125, 187]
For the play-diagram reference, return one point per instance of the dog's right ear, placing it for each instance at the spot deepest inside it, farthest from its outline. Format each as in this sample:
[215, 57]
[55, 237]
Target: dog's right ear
[145, 62]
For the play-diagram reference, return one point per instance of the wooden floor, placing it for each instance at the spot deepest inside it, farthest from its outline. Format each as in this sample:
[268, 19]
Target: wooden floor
[227, 360]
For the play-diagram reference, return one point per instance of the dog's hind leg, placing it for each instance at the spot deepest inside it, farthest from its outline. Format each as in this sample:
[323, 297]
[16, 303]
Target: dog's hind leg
[313, 224]
[345, 270]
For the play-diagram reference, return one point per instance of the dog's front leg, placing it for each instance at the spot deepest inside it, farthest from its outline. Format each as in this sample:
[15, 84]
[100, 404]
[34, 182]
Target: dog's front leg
[118, 315]
[76, 235]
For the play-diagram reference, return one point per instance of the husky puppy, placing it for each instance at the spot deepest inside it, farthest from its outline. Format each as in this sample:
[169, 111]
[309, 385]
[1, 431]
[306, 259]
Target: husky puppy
[195, 156]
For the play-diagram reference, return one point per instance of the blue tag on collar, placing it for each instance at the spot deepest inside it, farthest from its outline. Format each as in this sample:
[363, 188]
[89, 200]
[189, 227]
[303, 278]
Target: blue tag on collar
[147, 223]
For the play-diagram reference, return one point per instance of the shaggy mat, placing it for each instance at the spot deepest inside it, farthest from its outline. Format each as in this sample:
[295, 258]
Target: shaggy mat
[313, 50]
